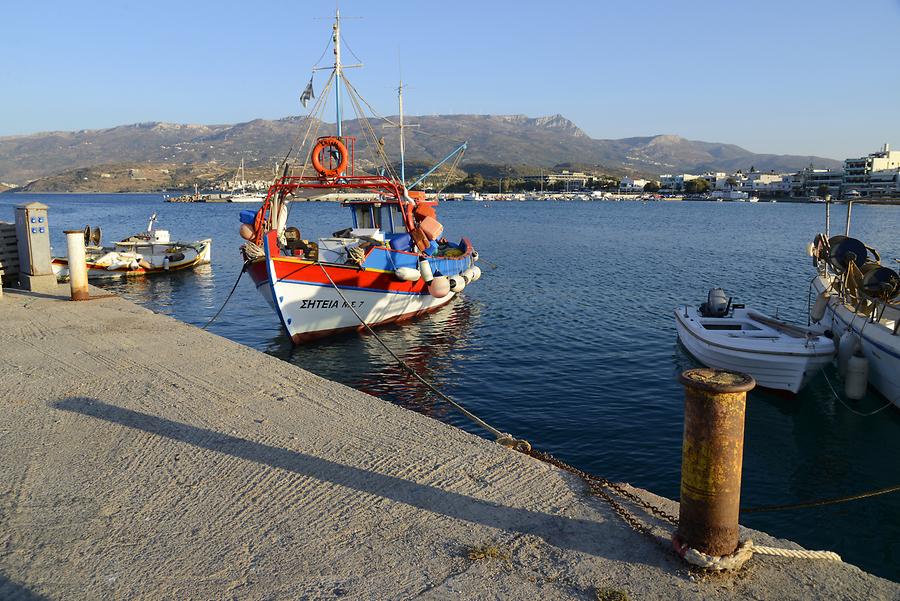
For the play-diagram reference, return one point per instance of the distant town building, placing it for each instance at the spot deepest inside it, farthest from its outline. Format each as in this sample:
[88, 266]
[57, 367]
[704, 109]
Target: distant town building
[873, 175]
[770, 183]
[675, 183]
[572, 179]
[629, 185]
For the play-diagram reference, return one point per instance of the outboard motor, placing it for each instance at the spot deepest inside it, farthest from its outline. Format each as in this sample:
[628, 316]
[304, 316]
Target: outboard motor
[717, 304]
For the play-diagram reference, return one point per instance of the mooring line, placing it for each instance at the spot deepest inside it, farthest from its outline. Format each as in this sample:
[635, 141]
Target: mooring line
[822, 502]
[503, 438]
[228, 298]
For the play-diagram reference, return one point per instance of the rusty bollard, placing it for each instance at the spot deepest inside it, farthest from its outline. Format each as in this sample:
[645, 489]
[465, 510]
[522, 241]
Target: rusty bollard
[711, 457]
[78, 279]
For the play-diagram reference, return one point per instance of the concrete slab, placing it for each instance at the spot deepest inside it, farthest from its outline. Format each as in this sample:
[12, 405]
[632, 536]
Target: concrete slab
[145, 458]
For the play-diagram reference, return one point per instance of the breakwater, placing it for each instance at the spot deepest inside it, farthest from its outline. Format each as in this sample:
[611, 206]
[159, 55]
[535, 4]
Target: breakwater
[143, 456]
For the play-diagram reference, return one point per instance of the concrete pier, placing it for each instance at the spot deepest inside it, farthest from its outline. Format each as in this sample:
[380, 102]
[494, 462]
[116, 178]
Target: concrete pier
[145, 458]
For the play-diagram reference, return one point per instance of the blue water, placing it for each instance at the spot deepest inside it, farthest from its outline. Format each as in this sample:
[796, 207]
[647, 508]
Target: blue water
[570, 342]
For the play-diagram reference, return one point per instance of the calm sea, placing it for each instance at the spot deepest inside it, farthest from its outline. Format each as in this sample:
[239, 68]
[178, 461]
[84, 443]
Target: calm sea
[568, 339]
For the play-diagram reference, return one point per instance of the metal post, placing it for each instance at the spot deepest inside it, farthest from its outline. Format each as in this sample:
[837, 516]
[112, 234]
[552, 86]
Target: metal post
[828, 219]
[849, 208]
[78, 280]
[711, 458]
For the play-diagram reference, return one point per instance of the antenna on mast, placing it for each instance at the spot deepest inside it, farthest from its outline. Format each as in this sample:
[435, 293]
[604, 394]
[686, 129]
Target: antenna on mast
[336, 39]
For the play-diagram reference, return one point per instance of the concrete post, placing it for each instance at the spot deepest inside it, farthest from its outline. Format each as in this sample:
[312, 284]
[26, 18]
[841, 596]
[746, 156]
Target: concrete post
[78, 280]
[711, 459]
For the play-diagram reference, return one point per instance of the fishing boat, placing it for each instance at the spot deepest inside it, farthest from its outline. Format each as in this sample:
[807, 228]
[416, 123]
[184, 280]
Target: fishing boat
[144, 253]
[392, 262]
[779, 355]
[857, 300]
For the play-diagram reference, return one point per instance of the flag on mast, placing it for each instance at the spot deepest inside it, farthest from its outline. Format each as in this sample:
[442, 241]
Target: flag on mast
[307, 93]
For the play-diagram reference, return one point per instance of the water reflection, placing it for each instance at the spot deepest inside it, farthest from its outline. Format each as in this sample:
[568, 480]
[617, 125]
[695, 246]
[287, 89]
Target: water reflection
[435, 347]
[195, 287]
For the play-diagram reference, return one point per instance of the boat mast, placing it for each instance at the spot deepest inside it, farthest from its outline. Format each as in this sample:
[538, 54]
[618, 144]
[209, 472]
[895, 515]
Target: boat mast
[336, 39]
[402, 150]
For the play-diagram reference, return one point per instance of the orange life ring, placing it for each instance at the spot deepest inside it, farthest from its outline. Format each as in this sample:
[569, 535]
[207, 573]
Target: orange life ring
[322, 144]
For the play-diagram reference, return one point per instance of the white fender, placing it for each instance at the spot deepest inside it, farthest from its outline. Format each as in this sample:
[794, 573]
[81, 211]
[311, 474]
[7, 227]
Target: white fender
[407, 274]
[818, 310]
[439, 287]
[849, 343]
[457, 283]
[857, 379]
[425, 270]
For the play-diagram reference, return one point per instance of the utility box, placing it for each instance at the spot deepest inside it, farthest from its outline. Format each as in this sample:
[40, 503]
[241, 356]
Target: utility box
[33, 233]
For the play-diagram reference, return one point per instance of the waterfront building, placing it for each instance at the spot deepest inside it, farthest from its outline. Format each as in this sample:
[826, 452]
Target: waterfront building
[675, 182]
[630, 185]
[572, 179]
[772, 183]
[873, 175]
[808, 181]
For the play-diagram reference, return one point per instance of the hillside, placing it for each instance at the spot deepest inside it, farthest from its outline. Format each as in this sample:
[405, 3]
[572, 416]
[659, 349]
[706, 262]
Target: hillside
[139, 177]
[493, 140]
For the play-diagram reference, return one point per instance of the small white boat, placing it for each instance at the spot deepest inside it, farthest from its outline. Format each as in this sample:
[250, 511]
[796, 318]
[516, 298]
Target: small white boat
[141, 254]
[779, 355]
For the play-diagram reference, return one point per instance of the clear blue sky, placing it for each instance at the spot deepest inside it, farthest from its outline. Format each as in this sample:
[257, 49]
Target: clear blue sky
[801, 77]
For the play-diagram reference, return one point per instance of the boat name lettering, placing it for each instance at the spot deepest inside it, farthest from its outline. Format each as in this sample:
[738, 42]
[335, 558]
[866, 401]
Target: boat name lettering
[329, 304]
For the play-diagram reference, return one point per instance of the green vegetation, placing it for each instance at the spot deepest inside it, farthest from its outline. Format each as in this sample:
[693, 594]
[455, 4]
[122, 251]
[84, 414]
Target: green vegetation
[651, 187]
[611, 594]
[488, 551]
[696, 186]
[823, 190]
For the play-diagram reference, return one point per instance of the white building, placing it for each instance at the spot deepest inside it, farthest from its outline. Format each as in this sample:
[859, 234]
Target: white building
[809, 181]
[766, 183]
[873, 175]
[675, 183]
[629, 185]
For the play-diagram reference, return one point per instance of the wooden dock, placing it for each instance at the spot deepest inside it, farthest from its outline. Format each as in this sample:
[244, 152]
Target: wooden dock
[145, 458]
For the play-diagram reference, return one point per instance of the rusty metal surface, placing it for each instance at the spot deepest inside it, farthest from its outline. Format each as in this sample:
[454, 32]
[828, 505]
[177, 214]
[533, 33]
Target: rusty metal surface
[712, 456]
[717, 380]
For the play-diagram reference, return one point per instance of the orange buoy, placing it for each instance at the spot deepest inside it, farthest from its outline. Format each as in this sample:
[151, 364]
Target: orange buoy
[431, 227]
[421, 211]
[339, 147]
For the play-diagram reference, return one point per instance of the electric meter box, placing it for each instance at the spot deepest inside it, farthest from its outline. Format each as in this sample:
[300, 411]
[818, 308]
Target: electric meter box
[33, 238]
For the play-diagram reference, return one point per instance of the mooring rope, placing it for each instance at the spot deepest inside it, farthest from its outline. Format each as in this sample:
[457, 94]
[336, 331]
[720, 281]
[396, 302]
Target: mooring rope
[823, 502]
[502, 438]
[742, 555]
[848, 407]
[228, 298]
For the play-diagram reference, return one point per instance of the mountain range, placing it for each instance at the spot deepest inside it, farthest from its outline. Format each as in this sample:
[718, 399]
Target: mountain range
[542, 142]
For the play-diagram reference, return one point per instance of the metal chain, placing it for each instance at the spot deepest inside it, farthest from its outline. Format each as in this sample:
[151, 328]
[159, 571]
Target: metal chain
[599, 488]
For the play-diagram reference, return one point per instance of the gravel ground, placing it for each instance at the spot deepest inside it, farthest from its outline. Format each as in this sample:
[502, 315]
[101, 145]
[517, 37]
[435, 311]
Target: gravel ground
[145, 458]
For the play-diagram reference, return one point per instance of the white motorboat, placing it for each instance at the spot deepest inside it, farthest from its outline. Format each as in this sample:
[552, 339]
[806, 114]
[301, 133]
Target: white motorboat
[856, 298]
[141, 254]
[779, 355]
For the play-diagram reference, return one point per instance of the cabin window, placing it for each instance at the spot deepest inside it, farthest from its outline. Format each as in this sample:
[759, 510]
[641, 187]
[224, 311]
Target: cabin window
[396, 220]
[363, 218]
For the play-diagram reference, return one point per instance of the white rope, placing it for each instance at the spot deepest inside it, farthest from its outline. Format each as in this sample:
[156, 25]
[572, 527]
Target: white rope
[743, 554]
[795, 553]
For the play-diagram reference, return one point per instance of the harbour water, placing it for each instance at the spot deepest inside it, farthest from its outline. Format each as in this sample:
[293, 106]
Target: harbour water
[568, 339]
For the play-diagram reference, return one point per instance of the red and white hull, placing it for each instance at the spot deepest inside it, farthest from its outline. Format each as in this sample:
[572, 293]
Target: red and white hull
[310, 306]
